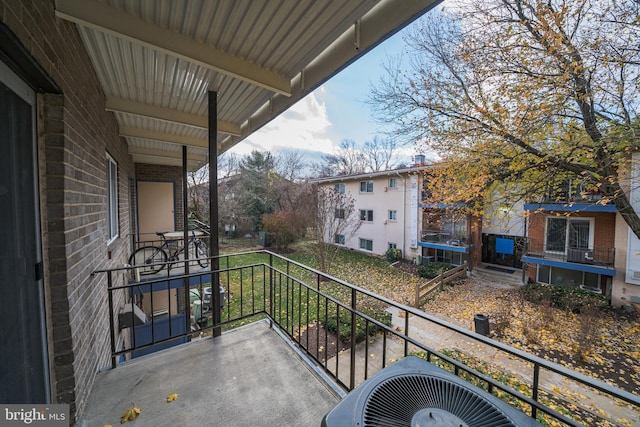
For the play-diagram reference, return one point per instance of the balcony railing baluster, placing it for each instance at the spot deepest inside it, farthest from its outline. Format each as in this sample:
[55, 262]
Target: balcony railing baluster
[595, 256]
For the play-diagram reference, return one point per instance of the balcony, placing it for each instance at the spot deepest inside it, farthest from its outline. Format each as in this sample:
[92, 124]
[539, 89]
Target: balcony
[283, 369]
[446, 239]
[594, 260]
[570, 198]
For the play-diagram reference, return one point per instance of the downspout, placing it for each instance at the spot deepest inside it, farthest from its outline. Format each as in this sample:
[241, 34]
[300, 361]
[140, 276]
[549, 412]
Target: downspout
[214, 249]
[404, 212]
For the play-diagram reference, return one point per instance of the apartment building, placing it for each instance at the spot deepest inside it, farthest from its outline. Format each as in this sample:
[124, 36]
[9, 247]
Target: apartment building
[578, 239]
[387, 206]
[390, 205]
[572, 244]
[563, 239]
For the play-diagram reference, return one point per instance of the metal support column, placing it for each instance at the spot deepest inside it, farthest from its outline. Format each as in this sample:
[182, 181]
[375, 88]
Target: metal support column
[213, 211]
[185, 236]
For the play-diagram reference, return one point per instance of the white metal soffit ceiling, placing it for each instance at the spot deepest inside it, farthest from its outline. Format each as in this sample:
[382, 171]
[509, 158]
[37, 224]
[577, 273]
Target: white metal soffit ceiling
[157, 60]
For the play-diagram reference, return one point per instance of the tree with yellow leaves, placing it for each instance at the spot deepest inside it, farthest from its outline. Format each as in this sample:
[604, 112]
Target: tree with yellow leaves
[527, 93]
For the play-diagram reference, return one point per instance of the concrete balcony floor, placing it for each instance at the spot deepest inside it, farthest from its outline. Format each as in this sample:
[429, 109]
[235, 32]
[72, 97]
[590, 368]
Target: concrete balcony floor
[248, 376]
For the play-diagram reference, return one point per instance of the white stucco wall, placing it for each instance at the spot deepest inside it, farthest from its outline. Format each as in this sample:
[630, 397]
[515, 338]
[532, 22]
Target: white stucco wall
[625, 287]
[383, 230]
[504, 220]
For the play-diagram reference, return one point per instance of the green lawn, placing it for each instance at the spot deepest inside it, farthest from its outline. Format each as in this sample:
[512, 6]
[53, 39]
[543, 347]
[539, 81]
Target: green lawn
[296, 306]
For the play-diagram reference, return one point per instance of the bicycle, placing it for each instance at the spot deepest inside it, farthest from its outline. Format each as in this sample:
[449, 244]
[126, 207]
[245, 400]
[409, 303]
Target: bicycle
[152, 259]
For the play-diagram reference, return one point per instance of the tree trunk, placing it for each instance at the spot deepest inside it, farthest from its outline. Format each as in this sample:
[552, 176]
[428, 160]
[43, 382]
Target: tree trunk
[626, 209]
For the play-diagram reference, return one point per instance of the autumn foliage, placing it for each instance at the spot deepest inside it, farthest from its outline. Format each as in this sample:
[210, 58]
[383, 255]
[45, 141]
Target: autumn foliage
[283, 228]
[524, 93]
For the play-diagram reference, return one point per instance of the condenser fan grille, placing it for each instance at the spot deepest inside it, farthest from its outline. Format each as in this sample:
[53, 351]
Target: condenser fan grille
[400, 400]
[413, 392]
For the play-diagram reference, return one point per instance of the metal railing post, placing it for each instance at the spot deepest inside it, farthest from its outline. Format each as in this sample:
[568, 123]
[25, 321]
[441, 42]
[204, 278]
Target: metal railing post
[352, 373]
[536, 384]
[272, 290]
[406, 333]
[111, 320]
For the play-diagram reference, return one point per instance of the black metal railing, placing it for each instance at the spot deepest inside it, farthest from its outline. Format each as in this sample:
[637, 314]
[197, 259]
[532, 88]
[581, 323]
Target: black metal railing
[596, 256]
[574, 191]
[177, 240]
[316, 310]
[443, 237]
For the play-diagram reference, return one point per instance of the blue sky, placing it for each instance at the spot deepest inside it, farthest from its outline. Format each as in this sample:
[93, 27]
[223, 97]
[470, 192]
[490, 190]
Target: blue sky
[335, 111]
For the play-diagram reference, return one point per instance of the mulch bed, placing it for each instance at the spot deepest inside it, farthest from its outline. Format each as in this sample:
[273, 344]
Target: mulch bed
[322, 344]
[406, 266]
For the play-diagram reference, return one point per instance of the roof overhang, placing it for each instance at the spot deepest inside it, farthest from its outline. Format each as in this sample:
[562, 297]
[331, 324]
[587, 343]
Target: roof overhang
[158, 60]
[370, 175]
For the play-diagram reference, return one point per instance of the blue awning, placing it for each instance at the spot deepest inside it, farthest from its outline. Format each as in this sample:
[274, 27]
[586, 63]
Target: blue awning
[570, 207]
[445, 247]
[588, 268]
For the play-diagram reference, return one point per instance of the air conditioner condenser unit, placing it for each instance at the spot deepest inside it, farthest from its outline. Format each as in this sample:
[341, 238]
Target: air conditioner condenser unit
[413, 392]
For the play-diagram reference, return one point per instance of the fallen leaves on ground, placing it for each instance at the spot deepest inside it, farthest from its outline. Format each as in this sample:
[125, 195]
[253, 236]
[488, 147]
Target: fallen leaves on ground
[377, 276]
[130, 414]
[604, 345]
[172, 397]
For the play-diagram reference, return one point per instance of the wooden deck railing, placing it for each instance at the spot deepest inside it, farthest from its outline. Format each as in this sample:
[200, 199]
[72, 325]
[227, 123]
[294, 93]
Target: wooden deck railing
[425, 289]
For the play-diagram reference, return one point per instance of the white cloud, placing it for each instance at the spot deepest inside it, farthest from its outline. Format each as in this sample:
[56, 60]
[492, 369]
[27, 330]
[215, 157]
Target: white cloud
[305, 126]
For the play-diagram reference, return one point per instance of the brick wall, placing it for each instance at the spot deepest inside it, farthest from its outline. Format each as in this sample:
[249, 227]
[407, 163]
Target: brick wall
[604, 227]
[74, 135]
[603, 236]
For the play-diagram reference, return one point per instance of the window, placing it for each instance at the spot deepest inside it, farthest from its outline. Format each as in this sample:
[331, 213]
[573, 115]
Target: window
[579, 234]
[339, 239]
[393, 182]
[392, 246]
[568, 233]
[366, 215]
[366, 186]
[339, 213]
[366, 244]
[556, 234]
[112, 198]
[393, 215]
[339, 188]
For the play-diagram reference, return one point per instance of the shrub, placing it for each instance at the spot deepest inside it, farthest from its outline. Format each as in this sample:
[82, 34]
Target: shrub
[433, 269]
[570, 298]
[342, 326]
[283, 228]
[393, 254]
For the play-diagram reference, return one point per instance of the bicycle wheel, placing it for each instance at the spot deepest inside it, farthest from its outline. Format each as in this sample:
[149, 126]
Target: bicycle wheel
[149, 259]
[202, 253]
[193, 252]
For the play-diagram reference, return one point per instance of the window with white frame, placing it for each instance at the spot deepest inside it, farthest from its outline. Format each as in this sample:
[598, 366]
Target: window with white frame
[366, 215]
[339, 213]
[393, 182]
[366, 186]
[112, 199]
[339, 188]
[393, 215]
[339, 239]
[366, 244]
[392, 245]
[564, 233]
